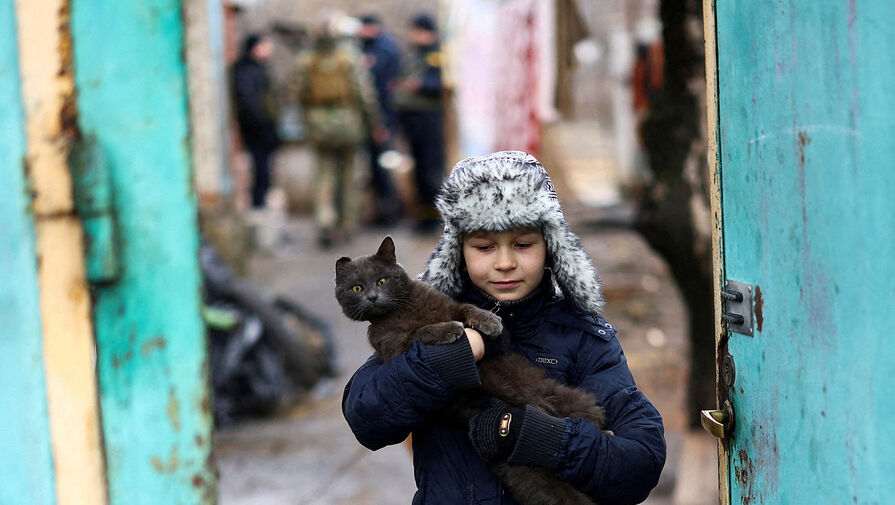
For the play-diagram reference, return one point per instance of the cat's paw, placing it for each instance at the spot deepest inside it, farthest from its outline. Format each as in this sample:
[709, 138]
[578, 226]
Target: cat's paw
[440, 333]
[453, 332]
[488, 323]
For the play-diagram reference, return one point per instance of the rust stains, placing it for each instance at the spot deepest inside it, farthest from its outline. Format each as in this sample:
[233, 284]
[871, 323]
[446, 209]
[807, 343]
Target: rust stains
[756, 466]
[169, 466]
[77, 292]
[759, 308]
[803, 141]
[118, 361]
[29, 189]
[173, 409]
[205, 405]
[744, 474]
[151, 344]
[68, 112]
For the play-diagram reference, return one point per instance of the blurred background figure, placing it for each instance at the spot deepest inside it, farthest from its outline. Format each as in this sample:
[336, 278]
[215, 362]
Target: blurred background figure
[340, 109]
[418, 100]
[256, 110]
[382, 57]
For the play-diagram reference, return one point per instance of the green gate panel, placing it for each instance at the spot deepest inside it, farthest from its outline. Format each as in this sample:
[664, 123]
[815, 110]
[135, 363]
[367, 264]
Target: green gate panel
[26, 464]
[151, 350]
[807, 136]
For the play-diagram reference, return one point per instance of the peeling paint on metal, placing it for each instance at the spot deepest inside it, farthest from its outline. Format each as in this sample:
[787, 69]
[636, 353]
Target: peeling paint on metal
[132, 98]
[743, 473]
[759, 308]
[806, 162]
[173, 409]
[68, 111]
[157, 343]
[119, 361]
[49, 102]
[170, 466]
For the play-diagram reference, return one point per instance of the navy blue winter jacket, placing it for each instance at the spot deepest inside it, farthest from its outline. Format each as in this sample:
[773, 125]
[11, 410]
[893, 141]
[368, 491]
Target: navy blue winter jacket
[384, 402]
[386, 56]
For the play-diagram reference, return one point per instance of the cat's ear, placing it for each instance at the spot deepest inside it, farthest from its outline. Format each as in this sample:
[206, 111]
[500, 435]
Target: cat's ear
[386, 250]
[340, 264]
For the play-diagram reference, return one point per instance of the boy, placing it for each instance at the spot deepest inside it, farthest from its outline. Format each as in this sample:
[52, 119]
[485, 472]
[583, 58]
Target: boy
[505, 243]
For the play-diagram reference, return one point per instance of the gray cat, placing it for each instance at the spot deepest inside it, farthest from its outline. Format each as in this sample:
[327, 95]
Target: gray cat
[402, 310]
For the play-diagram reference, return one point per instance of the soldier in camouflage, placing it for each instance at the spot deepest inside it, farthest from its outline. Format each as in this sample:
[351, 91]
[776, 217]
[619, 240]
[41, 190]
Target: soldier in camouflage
[340, 108]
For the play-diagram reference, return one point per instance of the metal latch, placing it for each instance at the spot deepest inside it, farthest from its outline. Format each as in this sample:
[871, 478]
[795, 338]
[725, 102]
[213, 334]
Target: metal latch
[719, 423]
[737, 314]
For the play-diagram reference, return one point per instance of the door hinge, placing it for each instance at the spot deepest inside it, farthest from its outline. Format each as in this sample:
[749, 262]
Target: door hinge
[737, 302]
[94, 204]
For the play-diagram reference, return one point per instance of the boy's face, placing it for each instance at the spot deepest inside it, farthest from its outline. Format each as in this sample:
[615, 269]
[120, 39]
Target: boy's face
[507, 265]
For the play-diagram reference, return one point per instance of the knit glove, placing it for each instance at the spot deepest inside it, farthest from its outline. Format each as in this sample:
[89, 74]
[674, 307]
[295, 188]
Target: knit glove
[494, 431]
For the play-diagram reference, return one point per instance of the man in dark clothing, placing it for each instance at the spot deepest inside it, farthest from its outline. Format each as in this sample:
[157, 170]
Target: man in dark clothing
[255, 106]
[382, 57]
[418, 101]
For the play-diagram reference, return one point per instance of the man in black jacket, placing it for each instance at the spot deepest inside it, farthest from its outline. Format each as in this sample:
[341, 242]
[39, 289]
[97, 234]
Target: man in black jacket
[255, 106]
[382, 57]
[418, 100]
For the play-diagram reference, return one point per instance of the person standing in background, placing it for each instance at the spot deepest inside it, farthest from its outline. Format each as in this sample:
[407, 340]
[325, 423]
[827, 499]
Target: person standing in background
[418, 100]
[382, 57]
[256, 110]
[341, 112]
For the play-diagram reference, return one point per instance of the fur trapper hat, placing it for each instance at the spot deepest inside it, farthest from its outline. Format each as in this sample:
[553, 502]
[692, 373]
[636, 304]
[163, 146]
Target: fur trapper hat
[499, 192]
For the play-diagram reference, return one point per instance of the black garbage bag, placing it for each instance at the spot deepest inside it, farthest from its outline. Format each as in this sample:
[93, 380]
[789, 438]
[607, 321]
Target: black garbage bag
[264, 352]
[247, 374]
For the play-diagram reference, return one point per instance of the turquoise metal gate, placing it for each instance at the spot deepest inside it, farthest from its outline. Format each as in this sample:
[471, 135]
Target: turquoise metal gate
[103, 359]
[805, 141]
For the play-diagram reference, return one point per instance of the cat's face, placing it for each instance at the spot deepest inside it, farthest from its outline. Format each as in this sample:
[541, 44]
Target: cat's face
[372, 286]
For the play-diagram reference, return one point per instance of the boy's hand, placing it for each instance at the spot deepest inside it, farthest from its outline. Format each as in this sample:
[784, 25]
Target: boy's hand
[476, 343]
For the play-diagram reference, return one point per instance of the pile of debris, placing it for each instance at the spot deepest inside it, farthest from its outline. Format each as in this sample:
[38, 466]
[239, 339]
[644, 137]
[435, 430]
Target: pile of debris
[265, 352]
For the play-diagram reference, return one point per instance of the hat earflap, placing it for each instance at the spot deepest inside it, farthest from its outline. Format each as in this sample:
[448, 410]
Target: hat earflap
[572, 267]
[444, 268]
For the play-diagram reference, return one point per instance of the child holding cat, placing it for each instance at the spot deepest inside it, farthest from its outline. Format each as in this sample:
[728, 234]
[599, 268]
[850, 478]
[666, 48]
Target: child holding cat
[505, 248]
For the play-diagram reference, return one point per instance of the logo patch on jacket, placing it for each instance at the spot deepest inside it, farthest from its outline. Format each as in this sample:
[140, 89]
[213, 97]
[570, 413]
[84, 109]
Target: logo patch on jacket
[547, 360]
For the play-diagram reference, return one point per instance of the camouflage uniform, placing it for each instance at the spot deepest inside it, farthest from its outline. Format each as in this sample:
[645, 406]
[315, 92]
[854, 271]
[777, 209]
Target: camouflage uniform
[338, 123]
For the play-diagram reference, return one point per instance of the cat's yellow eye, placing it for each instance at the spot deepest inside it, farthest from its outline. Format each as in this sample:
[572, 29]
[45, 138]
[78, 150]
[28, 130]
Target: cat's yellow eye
[381, 281]
[357, 289]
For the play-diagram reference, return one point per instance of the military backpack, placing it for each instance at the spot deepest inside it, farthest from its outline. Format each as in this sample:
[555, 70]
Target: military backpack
[329, 80]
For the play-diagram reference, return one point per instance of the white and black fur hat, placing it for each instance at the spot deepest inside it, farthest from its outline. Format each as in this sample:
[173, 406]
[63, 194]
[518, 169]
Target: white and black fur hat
[499, 192]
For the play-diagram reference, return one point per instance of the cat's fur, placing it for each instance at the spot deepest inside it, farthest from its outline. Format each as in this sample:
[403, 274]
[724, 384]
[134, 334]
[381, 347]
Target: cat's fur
[402, 310]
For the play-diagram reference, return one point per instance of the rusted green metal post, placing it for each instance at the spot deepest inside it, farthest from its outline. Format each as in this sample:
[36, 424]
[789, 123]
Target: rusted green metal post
[130, 76]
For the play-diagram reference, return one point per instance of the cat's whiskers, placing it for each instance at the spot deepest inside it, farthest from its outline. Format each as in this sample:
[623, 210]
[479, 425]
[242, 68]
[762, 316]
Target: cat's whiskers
[355, 311]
